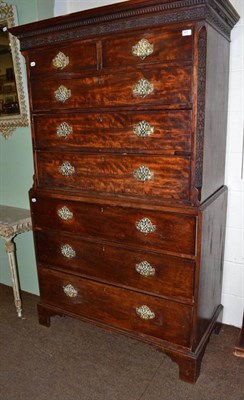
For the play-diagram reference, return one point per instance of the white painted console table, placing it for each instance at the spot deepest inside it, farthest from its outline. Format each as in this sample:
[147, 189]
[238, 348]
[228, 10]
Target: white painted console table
[14, 221]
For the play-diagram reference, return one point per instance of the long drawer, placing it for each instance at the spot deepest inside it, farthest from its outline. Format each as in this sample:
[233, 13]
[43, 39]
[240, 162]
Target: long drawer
[155, 131]
[133, 175]
[123, 309]
[161, 86]
[152, 273]
[152, 230]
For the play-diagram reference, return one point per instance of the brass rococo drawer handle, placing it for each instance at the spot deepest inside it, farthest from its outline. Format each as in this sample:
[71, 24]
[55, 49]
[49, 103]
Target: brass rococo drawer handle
[143, 174]
[64, 130]
[65, 214]
[66, 169]
[144, 312]
[60, 61]
[142, 88]
[70, 291]
[143, 129]
[144, 268]
[142, 49]
[68, 251]
[62, 94]
[145, 226]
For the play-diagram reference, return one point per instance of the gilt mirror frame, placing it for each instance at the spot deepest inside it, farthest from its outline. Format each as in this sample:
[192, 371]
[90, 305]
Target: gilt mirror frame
[8, 123]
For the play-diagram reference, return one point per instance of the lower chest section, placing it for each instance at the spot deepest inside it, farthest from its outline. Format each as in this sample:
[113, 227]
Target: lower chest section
[129, 268]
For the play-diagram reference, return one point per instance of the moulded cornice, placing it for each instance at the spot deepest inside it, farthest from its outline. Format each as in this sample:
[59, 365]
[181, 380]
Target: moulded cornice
[125, 16]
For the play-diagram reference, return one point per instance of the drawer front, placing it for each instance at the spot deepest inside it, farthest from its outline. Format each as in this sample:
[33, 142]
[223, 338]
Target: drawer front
[69, 59]
[151, 273]
[165, 131]
[131, 175]
[159, 231]
[164, 85]
[119, 308]
[148, 47]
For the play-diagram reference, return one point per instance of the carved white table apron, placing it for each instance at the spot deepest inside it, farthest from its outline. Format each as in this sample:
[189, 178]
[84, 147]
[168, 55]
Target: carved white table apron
[14, 221]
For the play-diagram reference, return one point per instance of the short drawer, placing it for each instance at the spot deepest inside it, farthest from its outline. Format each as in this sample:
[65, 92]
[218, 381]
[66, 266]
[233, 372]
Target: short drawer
[137, 176]
[161, 131]
[120, 308]
[158, 45]
[69, 59]
[159, 86]
[151, 273]
[152, 230]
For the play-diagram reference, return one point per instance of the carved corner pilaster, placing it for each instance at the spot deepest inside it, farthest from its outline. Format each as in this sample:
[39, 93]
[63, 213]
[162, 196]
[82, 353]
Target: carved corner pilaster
[195, 196]
[200, 123]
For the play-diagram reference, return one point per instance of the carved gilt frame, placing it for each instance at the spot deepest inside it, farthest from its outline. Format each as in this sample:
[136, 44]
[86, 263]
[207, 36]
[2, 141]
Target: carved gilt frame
[10, 122]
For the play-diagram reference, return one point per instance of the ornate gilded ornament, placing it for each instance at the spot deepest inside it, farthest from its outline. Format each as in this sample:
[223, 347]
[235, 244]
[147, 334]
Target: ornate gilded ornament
[144, 312]
[11, 231]
[142, 88]
[67, 251]
[65, 214]
[70, 291]
[62, 94]
[145, 226]
[143, 129]
[144, 268]
[64, 130]
[142, 49]
[143, 174]
[60, 61]
[66, 169]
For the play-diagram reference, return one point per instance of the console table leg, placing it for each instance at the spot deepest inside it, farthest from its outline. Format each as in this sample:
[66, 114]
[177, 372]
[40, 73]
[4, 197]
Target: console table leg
[10, 249]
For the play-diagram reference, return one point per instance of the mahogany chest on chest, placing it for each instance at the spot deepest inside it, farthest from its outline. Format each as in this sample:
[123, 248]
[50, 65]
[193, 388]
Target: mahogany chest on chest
[128, 110]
